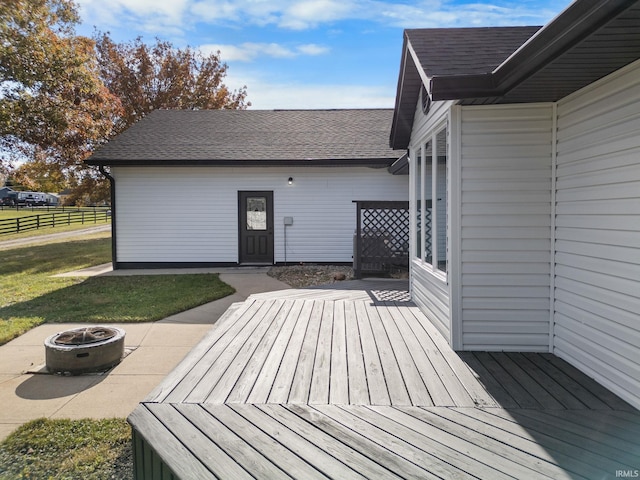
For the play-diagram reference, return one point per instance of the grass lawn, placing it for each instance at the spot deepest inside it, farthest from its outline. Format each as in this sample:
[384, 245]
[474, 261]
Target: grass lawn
[81, 449]
[68, 449]
[31, 296]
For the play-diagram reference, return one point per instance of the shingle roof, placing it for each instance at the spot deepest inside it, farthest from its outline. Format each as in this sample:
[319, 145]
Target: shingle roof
[445, 52]
[254, 137]
[587, 41]
[466, 51]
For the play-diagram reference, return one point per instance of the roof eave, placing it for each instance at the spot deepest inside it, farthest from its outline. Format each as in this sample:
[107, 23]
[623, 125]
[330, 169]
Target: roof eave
[462, 86]
[568, 29]
[406, 98]
[325, 162]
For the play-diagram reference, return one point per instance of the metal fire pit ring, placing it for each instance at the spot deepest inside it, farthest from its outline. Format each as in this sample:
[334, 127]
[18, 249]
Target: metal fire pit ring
[84, 350]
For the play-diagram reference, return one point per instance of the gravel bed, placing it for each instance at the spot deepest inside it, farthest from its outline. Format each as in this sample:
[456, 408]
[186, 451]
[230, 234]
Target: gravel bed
[300, 276]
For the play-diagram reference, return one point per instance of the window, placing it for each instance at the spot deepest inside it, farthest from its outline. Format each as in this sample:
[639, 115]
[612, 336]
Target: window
[440, 201]
[256, 213]
[418, 203]
[427, 217]
[430, 200]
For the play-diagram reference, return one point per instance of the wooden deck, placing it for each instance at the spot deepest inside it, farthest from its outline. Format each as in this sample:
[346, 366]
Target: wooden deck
[356, 383]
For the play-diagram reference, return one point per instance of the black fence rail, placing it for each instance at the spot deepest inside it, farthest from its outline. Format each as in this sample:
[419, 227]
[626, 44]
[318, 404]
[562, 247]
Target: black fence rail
[54, 219]
[49, 208]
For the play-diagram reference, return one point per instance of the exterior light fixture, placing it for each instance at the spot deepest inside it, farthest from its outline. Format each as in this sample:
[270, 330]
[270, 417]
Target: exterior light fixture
[290, 180]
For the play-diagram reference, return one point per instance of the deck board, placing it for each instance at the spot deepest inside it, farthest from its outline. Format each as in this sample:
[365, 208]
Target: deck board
[389, 351]
[453, 449]
[357, 383]
[506, 431]
[339, 379]
[299, 442]
[516, 452]
[358, 386]
[418, 393]
[376, 381]
[240, 384]
[257, 439]
[290, 355]
[304, 369]
[273, 361]
[321, 374]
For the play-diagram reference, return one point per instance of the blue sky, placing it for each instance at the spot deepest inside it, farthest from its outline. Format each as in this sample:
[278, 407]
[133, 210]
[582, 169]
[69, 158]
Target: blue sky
[305, 53]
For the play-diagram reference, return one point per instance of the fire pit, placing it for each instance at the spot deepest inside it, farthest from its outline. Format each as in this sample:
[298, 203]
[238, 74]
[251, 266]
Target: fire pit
[84, 350]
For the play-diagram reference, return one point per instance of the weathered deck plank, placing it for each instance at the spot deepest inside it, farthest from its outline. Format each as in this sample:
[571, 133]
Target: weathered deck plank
[404, 452]
[225, 332]
[519, 453]
[407, 368]
[594, 462]
[354, 384]
[507, 431]
[441, 357]
[261, 440]
[272, 363]
[304, 368]
[284, 378]
[358, 387]
[240, 384]
[321, 373]
[298, 442]
[164, 442]
[584, 396]
[339, 380]
[231, 366]
[340, 451]
[376, 381]
[456, 450]
[388, 353]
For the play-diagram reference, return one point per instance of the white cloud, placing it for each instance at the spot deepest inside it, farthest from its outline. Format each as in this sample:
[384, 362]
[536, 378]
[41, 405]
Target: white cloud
[212, 11]
[310, 13]
[149, 15]
[312, 49]
[156, 15]
[298, 96]
[266, 95]
[249, 51]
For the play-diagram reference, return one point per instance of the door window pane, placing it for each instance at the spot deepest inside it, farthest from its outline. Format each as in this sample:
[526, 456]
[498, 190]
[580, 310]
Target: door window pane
[256, 213]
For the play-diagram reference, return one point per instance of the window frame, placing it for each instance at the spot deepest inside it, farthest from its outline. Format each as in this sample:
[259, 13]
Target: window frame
[417, 154]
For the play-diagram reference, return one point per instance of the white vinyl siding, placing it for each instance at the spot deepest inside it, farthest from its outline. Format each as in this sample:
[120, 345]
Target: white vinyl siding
[597, 285]
[506, 154]
[190, 214]
[431, 294]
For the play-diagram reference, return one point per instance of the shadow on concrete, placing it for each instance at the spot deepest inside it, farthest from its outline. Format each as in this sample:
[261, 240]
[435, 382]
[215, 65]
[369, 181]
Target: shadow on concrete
[47, 387]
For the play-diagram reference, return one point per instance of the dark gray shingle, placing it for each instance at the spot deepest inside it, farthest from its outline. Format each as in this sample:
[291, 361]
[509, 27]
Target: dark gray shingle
[252, 135]
[466, 51]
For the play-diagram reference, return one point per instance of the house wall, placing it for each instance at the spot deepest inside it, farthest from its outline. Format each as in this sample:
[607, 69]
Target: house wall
[430, 289]
[190, 214]
[597, 238]
[505, 232]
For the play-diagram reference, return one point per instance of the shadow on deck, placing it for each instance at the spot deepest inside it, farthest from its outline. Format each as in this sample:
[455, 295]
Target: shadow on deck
[353, 381]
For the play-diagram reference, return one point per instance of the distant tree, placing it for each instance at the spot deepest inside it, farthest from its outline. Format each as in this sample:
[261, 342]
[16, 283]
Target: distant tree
[54, 109]
[160, 76]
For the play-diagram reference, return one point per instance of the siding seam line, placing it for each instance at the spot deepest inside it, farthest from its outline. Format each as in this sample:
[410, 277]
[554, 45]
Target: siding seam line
[552, 277]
